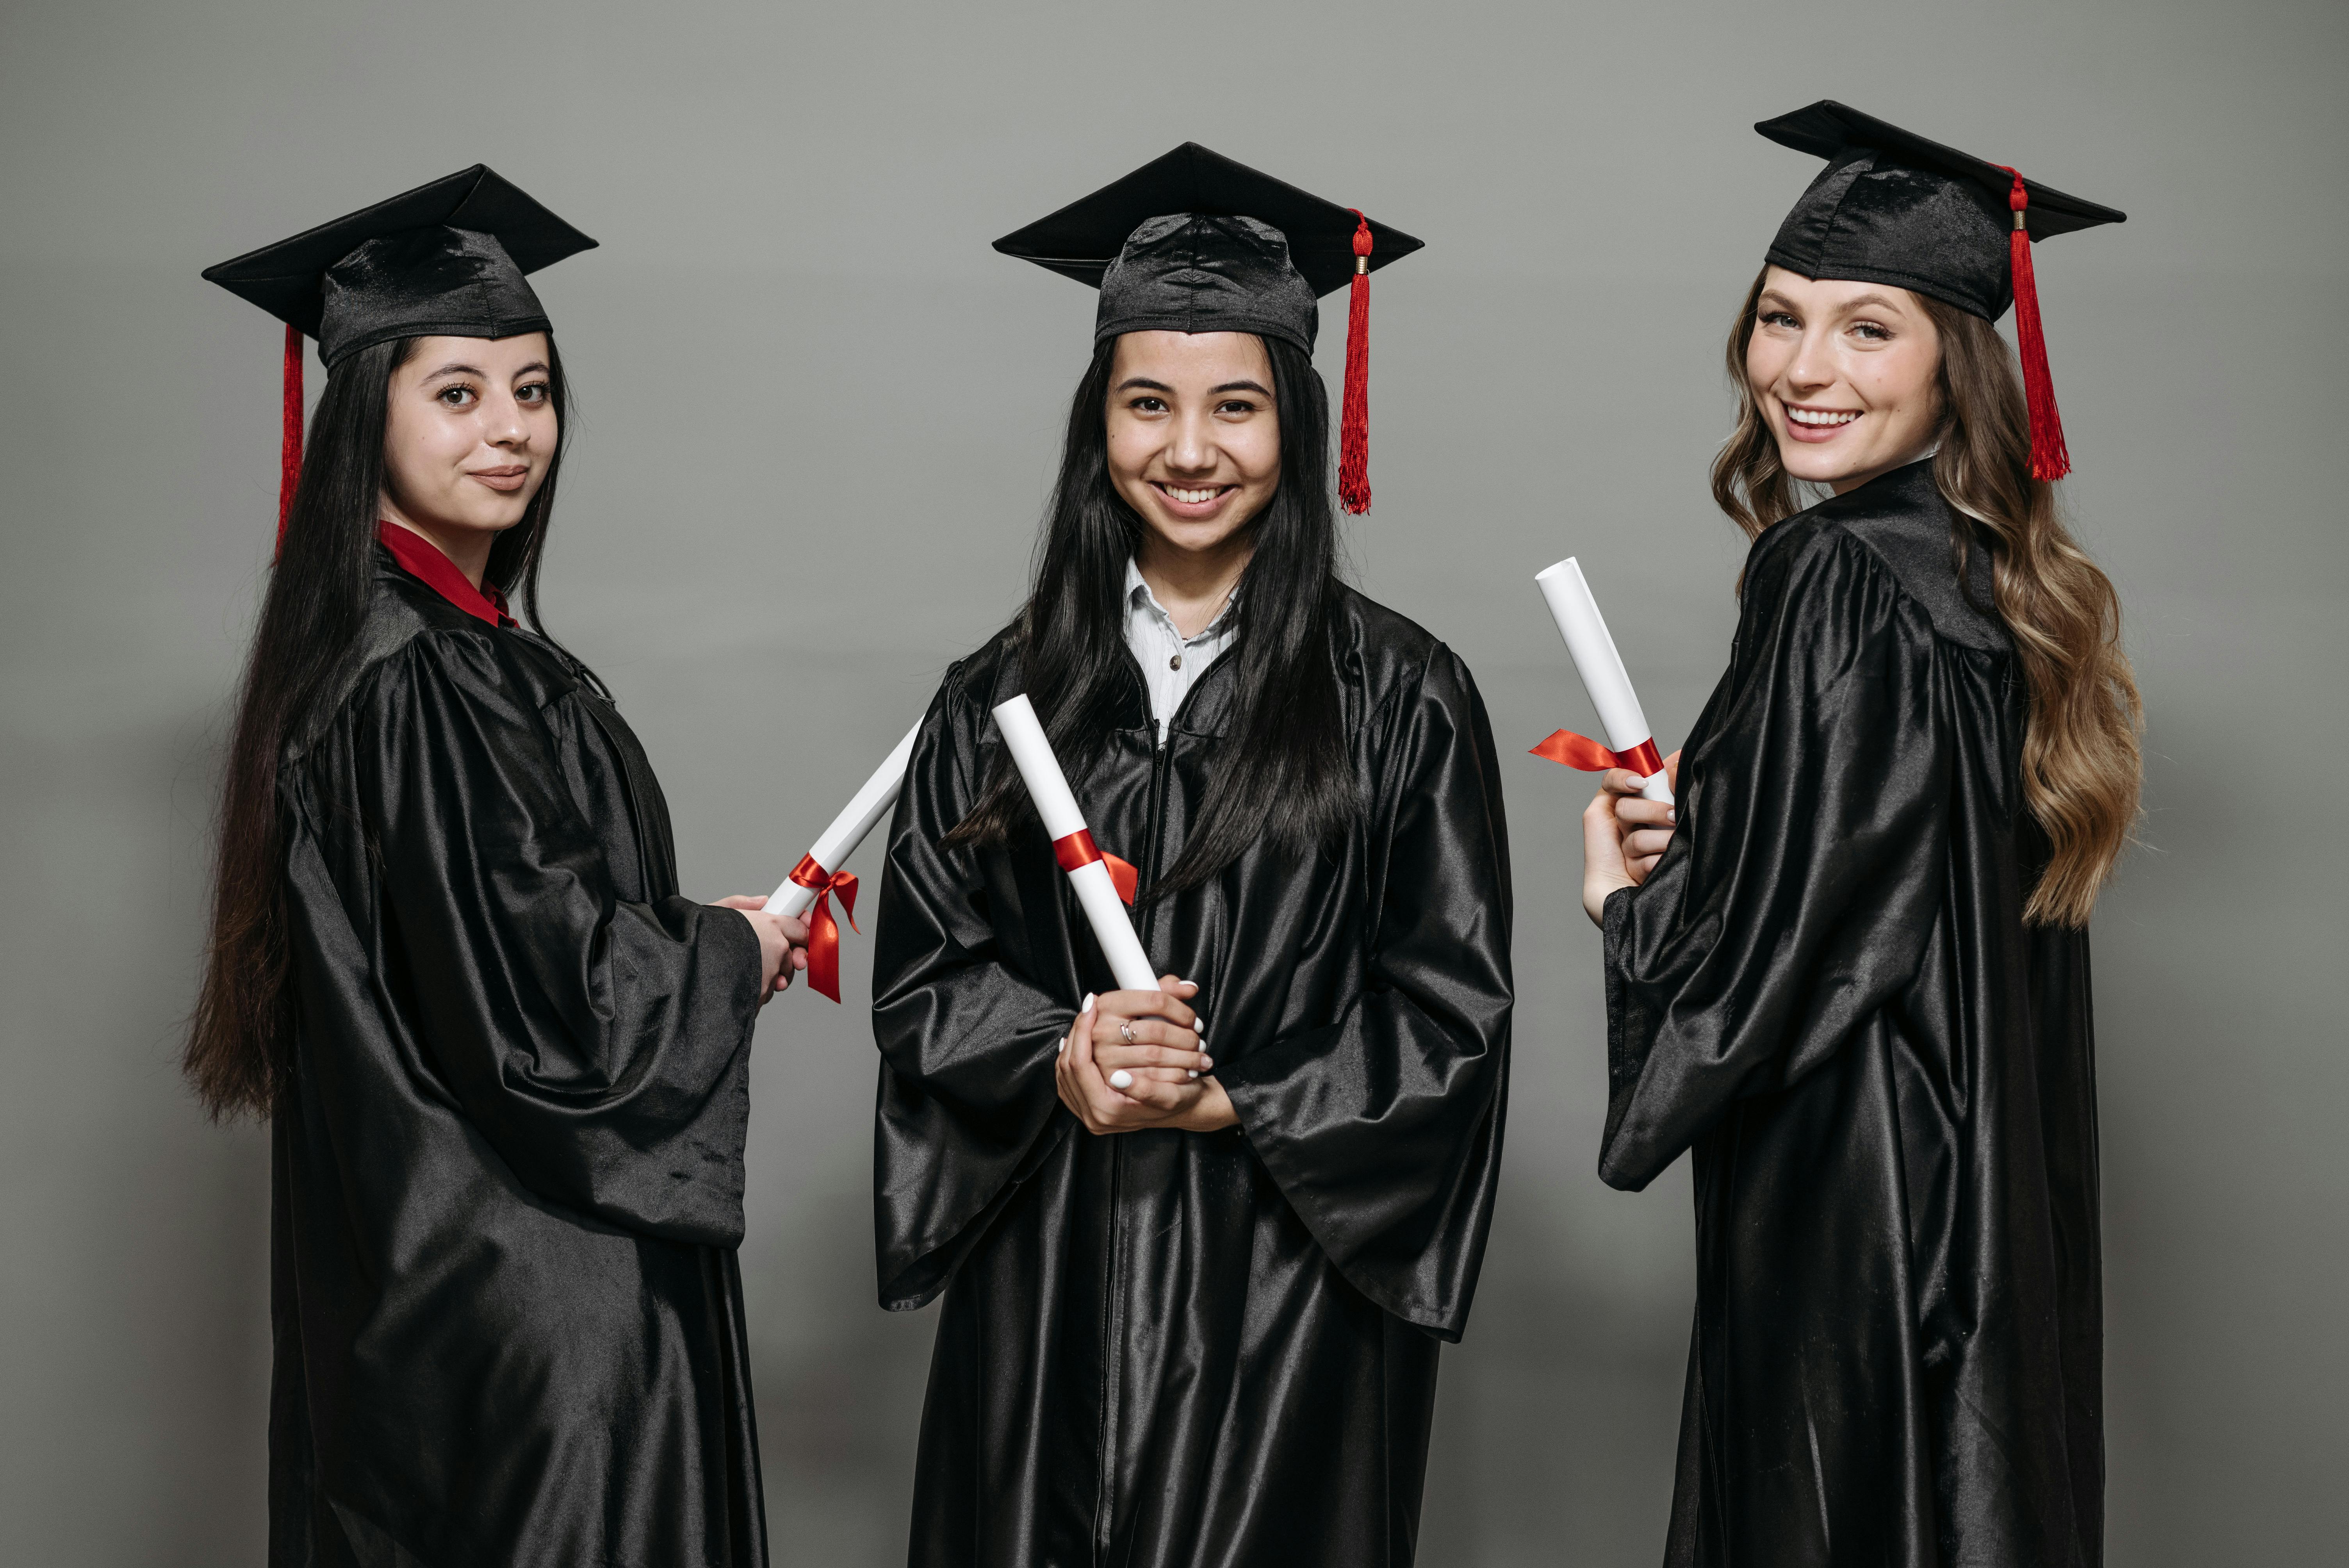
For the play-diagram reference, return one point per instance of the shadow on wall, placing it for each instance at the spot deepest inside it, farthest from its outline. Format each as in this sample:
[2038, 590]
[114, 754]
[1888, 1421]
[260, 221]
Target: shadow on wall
[840, 1405]
[1551, 1446]
[137, 1234]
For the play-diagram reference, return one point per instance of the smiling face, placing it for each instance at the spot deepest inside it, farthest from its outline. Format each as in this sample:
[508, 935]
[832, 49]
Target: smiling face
[469, 438]
[1193, 436]
[1847, 375]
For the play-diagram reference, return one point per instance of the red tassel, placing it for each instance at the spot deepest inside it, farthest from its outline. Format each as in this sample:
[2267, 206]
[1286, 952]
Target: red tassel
[2050, 459]
[289, 444]
[1354, 415]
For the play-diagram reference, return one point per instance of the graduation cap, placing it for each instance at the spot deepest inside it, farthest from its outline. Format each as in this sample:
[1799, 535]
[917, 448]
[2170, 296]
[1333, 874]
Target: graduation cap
[1892, 207]
[445, 260]
[1192, 242]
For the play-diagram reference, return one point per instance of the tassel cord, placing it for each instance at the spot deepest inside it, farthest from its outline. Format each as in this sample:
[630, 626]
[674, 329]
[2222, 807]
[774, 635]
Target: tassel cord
[1354, 409]
[2050, 459]
[289, 444]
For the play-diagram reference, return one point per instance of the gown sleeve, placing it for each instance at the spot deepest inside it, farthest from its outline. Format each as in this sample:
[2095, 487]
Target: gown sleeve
[967, 1036]
[599, 1046]
[1384, 1125]
[1796, 897]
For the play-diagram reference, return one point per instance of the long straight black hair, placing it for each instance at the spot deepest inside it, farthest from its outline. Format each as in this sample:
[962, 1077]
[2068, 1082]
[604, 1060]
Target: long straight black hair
[240, 1051]
[1281, 770]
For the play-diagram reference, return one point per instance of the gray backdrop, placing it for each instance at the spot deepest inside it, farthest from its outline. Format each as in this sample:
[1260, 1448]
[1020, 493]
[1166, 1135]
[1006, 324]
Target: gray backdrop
[818, 418]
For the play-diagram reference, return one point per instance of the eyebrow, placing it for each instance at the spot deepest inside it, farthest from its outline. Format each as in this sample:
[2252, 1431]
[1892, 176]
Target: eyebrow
[1772, 298]
[1145, 383]
[454, 368]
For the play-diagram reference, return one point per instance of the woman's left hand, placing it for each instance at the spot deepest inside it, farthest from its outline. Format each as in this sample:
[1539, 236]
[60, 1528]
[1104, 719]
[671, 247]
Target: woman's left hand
[1623, 835]
[795, 939]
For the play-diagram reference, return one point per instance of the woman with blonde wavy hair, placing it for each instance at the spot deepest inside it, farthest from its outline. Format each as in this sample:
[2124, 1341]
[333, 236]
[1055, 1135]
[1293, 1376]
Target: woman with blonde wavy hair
[1849, 965]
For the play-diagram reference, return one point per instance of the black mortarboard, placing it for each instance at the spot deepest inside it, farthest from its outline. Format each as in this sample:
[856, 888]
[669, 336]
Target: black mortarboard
[1192, 242]
[444, 260]
[1893, 207]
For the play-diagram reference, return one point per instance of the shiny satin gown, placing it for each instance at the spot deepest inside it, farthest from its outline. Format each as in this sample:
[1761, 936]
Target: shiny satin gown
[509, 1187]
[1827, 991]
[1161, 1349]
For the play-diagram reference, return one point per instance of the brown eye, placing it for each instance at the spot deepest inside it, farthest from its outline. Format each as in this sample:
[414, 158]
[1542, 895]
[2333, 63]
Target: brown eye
[535, 393]
[457, 396]
[1147, 406]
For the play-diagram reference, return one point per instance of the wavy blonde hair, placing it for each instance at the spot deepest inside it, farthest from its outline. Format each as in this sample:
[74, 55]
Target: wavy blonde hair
[2082, 768]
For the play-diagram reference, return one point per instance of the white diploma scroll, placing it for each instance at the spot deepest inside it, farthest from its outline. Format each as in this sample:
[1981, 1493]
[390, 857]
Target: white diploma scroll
[865, 809]
[1096, 890]
[1603, 675]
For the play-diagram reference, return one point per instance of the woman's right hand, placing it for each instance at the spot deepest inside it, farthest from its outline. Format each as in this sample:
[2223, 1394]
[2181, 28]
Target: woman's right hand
[1149, 1038]
[1623, 835]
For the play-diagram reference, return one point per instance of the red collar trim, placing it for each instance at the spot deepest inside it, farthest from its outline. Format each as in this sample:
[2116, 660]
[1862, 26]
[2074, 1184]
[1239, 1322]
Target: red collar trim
[422, 559]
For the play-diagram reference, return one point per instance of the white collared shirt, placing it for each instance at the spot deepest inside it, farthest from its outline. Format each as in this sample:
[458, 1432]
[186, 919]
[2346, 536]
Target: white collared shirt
[1170, 661]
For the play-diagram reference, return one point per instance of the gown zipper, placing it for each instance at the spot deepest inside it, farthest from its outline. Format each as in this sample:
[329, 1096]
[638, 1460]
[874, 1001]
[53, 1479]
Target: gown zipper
[1113, 1311]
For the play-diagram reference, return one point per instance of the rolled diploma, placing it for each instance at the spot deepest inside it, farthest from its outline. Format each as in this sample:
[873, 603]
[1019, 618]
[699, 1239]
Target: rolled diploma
[869, 804]
[1603, 675]
[1050, 789]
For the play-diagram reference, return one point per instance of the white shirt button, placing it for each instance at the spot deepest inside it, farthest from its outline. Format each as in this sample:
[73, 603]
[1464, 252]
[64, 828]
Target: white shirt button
[1170, 662]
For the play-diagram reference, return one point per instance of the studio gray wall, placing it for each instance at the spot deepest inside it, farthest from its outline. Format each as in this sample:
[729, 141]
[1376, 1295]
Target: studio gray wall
[818, 419]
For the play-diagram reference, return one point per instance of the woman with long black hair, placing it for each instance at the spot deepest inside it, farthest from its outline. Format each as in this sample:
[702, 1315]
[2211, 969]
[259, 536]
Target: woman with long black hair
[1848, 968]
[504, 1063]
[1198, 1245]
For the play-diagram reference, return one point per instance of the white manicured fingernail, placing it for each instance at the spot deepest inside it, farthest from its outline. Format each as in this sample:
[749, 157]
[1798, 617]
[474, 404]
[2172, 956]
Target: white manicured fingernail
[1087, 1005]
[1058, 1048]
[1121, 1080]
[1199, 1026]
[1194, 1075]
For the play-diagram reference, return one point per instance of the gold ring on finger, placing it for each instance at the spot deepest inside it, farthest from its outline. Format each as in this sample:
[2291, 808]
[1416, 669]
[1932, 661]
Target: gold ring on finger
[1125, 1033]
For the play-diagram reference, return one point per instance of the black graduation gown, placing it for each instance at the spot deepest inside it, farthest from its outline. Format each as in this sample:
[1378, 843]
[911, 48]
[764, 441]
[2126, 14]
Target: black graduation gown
[509, 1186]
[1827, 991]
[1164, 1349]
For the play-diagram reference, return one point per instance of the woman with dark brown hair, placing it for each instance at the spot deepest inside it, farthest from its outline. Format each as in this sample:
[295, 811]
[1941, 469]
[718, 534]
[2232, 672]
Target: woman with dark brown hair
[503, 1061]
[1198, 1245]
[1848, 966]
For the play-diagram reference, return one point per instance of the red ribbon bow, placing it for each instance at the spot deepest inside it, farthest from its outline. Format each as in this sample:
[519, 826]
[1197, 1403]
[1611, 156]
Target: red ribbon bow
[1078, 851]
[1586, 755]
[823, 931]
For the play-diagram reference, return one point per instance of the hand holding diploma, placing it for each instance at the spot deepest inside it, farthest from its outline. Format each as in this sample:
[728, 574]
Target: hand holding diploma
[782, 942]
[1134, 1057]
[808, 889]
[1623, 835]
[1630, 744]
